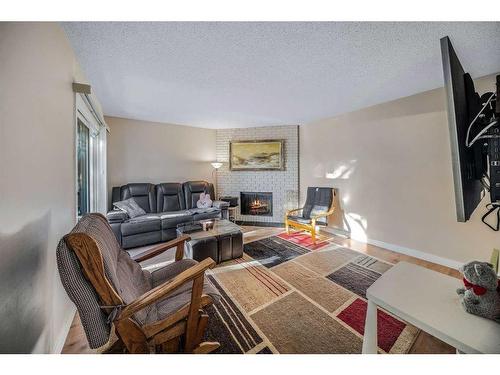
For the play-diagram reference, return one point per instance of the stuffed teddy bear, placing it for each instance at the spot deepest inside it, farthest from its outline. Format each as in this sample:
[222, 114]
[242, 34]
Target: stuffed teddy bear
[204, 201]
[481, 292]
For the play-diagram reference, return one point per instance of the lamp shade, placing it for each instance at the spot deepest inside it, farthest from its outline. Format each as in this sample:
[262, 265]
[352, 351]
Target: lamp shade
[216, 164]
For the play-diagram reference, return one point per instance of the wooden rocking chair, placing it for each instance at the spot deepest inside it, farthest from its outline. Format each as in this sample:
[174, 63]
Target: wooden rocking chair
[160, 311]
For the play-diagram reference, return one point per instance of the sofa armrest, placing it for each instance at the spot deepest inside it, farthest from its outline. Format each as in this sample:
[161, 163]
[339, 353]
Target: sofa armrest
[220, 205]
[116, 216]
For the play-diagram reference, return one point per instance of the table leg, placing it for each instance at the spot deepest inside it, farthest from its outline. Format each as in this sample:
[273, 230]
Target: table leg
[370, 337]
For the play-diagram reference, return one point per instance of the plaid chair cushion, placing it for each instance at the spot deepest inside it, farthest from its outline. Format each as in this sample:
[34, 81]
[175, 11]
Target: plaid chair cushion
[82, 293]
[180, 296]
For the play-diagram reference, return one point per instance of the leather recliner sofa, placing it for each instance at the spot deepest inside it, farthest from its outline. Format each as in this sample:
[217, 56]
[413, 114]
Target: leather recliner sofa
[166, 206]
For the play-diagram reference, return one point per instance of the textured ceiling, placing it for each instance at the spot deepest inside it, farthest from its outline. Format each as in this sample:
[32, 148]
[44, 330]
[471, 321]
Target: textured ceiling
[236, 74]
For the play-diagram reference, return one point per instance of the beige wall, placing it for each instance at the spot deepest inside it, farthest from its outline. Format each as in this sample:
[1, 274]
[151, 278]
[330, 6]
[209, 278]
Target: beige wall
[141, 151]
[391, 164]
[37, 183]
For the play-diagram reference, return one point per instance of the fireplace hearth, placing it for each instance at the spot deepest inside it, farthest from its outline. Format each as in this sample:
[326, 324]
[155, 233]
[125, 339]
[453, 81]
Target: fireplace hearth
[256, 203]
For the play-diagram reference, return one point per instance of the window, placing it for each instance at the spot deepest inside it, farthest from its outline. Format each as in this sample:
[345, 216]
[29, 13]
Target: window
[90, 159]
[82, 158]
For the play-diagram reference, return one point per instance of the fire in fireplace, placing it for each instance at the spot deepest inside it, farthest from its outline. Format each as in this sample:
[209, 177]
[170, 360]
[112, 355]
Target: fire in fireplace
[256, 203]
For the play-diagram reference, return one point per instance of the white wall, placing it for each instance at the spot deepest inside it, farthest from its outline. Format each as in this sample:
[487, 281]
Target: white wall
[391, 164]
[141, 151]
[37, 183]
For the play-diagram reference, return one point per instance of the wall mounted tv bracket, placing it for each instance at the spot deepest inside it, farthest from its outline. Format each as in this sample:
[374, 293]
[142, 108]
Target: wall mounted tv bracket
[491, 134]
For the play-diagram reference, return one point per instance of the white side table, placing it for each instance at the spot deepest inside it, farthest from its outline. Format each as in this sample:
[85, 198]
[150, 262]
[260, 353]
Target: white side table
[427, 300]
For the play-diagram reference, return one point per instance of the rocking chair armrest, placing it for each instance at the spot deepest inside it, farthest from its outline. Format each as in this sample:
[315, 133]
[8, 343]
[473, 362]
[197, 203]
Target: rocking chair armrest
[164, 289]
[158, 249]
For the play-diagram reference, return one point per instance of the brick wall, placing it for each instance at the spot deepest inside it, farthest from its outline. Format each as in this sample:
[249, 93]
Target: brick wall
[283, 184]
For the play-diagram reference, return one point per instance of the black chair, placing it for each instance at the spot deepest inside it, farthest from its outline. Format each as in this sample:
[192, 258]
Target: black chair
[318, 206]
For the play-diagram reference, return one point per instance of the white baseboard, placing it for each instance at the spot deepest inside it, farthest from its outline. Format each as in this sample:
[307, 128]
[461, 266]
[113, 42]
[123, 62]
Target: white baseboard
[402, 250]
[417, 254]
[63, 334]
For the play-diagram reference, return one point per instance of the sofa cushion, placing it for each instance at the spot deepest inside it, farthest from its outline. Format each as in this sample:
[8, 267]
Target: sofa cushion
[169, 197]
[130, 207]
[168, 234]
[141, 224]
[193, 189]
[143, 194]
[171, 219]
[141, 239]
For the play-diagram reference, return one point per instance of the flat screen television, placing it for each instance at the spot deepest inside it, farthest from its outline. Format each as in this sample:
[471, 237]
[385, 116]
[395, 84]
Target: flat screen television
[469, 163]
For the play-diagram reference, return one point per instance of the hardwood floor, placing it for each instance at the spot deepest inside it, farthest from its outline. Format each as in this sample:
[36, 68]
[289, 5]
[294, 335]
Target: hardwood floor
[76, 342]
[391, 256]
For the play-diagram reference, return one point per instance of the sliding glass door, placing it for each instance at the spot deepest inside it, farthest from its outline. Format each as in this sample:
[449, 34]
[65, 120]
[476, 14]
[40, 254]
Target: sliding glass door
[83, 166]
[90, 155]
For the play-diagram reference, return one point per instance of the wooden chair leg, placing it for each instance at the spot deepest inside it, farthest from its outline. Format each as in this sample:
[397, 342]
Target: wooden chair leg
[171, 346]
[206, 347]
[132, 336]
[193, 316]
[117, 347]
[313, 235]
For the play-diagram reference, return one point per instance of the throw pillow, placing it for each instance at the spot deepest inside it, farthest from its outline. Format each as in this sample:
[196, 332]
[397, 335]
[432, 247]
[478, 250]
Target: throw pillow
[204, 201]
[131, 207]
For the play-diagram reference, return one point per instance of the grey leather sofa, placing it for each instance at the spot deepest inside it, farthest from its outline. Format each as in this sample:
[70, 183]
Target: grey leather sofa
[166, 206]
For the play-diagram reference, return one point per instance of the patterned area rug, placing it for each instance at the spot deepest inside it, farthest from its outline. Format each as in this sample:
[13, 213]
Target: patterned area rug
[229, 326]
[304, 239]
[287, 296]
[273, 251]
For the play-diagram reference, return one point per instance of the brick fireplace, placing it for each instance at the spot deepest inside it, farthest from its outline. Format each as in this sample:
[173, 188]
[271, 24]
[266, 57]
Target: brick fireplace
[283, 186]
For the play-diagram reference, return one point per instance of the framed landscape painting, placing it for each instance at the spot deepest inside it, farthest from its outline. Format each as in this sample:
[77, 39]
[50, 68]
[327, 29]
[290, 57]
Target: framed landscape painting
[265, 155]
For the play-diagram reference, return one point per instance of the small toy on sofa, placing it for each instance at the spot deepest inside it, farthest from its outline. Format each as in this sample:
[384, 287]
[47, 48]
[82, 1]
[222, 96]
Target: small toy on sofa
[481, 292]
[204, 201]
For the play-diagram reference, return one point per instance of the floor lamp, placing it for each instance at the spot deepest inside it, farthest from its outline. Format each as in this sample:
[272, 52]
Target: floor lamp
[216, 165]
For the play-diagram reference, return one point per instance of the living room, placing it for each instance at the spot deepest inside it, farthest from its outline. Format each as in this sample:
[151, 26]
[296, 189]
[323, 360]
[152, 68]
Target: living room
[249, 187]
